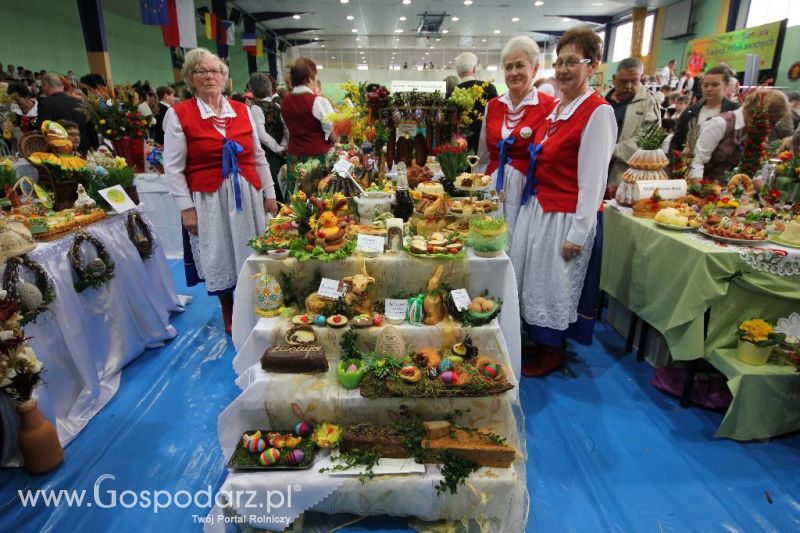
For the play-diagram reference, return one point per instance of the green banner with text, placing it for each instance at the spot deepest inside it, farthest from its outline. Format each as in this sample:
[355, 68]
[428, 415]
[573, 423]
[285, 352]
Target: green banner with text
[732, 48]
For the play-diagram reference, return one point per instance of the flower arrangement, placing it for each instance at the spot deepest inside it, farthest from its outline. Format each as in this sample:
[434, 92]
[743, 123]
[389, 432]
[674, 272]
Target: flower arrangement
[754, 145]
[452, 158]
[20, 370]
[154, 155]
[760, 332]
[727, 202]
[470, 102]
[708, 190]
[117, 117]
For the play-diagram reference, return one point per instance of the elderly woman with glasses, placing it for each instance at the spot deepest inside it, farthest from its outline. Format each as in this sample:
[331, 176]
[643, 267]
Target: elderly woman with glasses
[556, 246]
[506, 135]
[219, 177]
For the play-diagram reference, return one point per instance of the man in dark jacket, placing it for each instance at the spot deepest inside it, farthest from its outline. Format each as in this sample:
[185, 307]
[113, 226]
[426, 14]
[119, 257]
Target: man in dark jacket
[58, 106]
[166, 99]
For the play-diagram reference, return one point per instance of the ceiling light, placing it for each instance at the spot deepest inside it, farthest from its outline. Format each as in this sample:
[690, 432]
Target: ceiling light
[497, 31]
[427, 53]
[538, 3]
[445, 31]
[454, 19]
[354, 30]
[403, 19]
[419, 67]
[515, 19]
[467, 2]
[491, 67]
[362, 67]
[438, 39]
[597, 4]
[350, 17]
[344, 1]
[319, 67]
[399, 30]
[333, 57]
[406, 2]
[296, 17]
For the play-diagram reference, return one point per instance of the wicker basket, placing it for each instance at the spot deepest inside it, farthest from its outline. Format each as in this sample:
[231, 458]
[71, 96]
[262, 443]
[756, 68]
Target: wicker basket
[64, 192]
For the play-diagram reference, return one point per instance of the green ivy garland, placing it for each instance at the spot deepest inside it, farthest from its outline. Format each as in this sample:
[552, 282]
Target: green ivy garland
[140, 235]
[43, 282]
[98, 271]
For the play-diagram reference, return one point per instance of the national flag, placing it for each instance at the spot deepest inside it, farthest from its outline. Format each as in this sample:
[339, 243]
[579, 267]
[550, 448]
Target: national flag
[249, 43]
[211, 26]
[180, 31]
[259, 47]
[228, 33]
[154, 12]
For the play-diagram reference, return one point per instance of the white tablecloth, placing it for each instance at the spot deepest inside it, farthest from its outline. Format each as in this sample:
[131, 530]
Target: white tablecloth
[85, 339]
[393, 272]
[161, 211]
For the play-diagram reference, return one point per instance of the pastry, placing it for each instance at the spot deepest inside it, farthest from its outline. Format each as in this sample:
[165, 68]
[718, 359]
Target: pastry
[302, 320]
[301, 335]
[361, 321]
[433, 188]
[386, 440]
[477, 445]
[295, 358]
[337, 321]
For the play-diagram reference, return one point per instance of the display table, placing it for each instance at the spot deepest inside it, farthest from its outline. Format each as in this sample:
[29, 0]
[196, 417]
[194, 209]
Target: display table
[766, 399]
[495, 499]
[670, 279]
[85, 339]
[395, 273]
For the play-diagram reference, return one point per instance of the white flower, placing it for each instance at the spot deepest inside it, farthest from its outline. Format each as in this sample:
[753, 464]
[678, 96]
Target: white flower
[3, 294]
[6, 335]
[7, 379]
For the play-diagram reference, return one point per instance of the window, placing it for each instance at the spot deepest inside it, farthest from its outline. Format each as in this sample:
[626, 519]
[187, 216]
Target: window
[766, 11]
[623, 36]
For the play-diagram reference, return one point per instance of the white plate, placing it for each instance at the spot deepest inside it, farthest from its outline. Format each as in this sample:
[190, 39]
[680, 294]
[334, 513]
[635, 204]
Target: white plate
[777, 240]
[675, 228]
[728, 240]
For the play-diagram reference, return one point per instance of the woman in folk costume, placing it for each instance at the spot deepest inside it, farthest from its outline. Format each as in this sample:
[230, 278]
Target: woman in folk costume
[556, 248]
[509, 123]
[218, 175]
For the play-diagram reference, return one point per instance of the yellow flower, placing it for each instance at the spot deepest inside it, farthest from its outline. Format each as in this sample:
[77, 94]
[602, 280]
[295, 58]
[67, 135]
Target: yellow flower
[108, 132]
[326, 435]
[755, 330]
[102, 121]
[35, 160]
[7, 164]
[119, 162]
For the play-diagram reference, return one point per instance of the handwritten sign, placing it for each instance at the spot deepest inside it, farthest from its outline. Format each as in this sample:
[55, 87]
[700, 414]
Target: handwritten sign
[395, 308]
[370, 243]
[667, 189]
[331, 288]
[461, 299]
[342, 167]
[406, 86]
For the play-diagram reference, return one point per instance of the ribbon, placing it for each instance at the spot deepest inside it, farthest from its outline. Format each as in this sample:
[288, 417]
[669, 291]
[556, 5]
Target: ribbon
[527, 192]
[503, 160]
[230, 166]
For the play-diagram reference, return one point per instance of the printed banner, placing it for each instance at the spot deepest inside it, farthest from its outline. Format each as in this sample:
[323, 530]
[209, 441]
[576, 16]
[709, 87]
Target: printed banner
[733, 47]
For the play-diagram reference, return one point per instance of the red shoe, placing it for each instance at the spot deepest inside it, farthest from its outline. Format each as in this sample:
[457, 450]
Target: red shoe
[226, 302]
[547, 359]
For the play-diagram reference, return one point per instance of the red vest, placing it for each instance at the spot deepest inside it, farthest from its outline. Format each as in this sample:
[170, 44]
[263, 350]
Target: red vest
[557, 164]
[204, 146]
[305, 131]
[518, 152]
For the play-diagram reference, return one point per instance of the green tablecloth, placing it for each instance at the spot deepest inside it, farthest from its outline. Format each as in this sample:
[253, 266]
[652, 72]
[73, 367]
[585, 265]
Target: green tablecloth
[766, 399]
[670, 279]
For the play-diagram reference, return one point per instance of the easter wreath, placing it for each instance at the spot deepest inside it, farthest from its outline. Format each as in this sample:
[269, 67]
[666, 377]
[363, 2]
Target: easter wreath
[140, 235]
[34, 298]
[99, 271]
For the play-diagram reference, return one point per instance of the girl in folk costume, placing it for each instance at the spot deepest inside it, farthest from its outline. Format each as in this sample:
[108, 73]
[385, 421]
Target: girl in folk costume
[509, 124]
[556, 248]
[219, 178]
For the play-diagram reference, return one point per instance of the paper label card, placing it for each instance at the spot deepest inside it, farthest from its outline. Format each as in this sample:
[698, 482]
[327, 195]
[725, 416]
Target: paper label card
[667, 189]
[395, 308]
[461, 299]
[342, 167]
[117, 198]
[331, 288]
[403, 86]
[370, 243]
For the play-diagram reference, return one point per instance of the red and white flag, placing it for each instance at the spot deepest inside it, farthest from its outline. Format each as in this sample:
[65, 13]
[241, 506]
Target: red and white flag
[181, 30]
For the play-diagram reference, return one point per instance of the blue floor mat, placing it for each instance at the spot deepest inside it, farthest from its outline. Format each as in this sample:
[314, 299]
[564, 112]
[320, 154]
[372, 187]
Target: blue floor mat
[606, 451]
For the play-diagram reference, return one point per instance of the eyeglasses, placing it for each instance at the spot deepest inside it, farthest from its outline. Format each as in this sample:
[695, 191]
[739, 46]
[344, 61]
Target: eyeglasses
[203, 72]
[571, 63]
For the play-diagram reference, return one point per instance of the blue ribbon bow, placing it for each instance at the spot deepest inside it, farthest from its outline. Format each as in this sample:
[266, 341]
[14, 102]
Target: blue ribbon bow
[503, 161]
[527, 192]
[230, 166]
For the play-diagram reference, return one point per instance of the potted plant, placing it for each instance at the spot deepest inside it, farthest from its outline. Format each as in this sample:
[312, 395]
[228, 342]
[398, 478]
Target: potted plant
[757, 339]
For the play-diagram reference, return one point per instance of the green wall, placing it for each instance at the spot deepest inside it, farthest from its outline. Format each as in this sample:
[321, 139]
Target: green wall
[46, 34]
[790, 55]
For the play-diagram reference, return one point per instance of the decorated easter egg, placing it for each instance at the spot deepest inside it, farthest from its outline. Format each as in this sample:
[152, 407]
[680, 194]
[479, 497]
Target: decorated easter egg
[432, 372]
[489, 370]
[269, 295]
[255, 445]
[320, 321]
[455, 360]
[444, 365]
[295, 457]
[352, 368]
[408, 370]
[303, 429]
[377, 319]
[269, 457]
[449, 377]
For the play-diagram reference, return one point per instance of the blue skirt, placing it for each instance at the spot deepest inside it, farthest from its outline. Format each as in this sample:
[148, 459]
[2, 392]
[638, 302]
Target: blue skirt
[582, 330]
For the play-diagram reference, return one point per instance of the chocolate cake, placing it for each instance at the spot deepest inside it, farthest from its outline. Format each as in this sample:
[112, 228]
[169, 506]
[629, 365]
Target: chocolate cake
[295, 358]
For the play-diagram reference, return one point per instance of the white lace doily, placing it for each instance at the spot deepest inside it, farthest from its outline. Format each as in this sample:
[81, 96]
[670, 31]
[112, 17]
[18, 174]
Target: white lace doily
[767, 258]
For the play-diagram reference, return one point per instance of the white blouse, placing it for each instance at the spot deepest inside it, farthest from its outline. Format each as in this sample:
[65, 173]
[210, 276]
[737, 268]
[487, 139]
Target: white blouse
[711, 133]
[175, 152]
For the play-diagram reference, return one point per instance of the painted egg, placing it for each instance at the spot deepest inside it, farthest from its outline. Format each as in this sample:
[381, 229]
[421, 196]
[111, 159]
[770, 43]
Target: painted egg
[320, 321]
[269, 295]
[449, 377]
[455, 360]
[295, 457]
[444, 365]
[352, 368]
[247, 438]
[303, 429]
[255, 445]
[489, 370]
[377, 319]
[432, 373]
[269, 457]
[408, 370]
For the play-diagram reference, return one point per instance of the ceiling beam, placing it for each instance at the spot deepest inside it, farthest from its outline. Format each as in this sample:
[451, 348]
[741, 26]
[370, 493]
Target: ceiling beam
[262, 16]
[604, 19]
[289, 31]
[300, 42]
